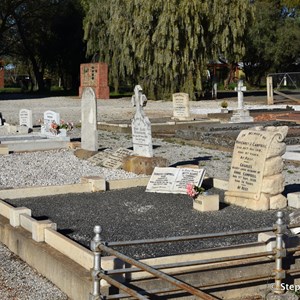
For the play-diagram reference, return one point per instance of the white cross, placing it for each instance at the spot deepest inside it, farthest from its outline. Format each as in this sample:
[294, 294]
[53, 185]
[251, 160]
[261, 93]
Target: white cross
[240, 89]
[138, 99]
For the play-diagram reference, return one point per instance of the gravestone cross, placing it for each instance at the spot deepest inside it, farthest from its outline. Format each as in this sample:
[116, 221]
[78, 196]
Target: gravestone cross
[139, 100]
[240, 89]
[241, 114]
[141, 126]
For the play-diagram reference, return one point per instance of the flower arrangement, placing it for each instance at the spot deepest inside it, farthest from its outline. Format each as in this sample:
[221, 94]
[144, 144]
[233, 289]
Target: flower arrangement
[55, 128]
[193, 190]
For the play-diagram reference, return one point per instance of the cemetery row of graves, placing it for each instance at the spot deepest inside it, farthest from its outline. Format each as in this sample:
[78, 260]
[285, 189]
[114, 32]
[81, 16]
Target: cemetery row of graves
[256, 180]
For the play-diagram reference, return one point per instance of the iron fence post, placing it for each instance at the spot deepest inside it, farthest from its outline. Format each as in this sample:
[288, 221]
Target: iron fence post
[280, 252]
[95, 242]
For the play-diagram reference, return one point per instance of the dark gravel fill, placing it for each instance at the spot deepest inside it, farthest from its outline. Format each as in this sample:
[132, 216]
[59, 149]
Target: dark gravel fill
[132, 213]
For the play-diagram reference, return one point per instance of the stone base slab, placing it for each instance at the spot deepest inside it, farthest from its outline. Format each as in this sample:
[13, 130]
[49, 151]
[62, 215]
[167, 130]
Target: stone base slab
[294, 199]
[142, 164]
[241, 116]
[265, 202]
[248, 203]
[4, 150]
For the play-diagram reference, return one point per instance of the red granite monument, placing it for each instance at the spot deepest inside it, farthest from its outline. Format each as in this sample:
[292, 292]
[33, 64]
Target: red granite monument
[95, 75]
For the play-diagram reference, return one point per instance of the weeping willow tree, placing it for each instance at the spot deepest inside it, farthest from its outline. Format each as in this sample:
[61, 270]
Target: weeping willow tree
[164, 45]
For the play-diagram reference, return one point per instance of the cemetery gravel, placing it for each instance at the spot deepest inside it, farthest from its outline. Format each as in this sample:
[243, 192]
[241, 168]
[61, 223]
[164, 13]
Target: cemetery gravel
[57, 167]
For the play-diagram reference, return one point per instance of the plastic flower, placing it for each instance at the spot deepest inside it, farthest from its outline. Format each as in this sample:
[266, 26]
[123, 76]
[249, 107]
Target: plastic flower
[55, 128]
[193, 190]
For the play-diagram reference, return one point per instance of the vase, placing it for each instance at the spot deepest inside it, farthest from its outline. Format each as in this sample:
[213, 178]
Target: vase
[205, 202]
[62, 132]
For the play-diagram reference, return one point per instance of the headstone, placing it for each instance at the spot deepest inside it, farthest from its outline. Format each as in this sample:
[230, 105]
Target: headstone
[174, 180]
[241, 115]
[95, 75]
[1, 76]
[50, 117]
[1, 120]
[181, 106]
[25, 117]
[141, 126]
[115, 160]
[256, 179]
[89, 133]
[99, 157]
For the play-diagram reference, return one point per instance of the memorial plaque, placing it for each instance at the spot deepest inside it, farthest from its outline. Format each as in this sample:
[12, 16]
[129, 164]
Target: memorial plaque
[110, 159]
[115, 159]
[174, 180]
[181, 106]
[248, 161]
[99, 157]
[25, 118]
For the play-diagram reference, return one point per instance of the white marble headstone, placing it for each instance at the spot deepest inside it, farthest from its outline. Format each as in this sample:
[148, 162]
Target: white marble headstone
[50, 117]
[25, 117]
[89, 133]
[141, 126]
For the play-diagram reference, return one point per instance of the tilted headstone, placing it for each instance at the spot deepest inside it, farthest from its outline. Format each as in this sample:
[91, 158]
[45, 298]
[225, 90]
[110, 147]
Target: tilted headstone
[115, 160]
[181, 106]
[25, 118]
[241, 114]
[89, 133]
[174, 180]
[141, 126]
[256, 179]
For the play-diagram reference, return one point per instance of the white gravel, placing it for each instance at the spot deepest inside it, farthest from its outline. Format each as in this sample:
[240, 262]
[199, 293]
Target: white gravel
[19, 281]
[56, 167]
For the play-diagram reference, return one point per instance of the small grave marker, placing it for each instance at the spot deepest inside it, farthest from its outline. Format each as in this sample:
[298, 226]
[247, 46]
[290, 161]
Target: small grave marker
[181, 106]
[25, 118]
[174, 180]
[49, 118]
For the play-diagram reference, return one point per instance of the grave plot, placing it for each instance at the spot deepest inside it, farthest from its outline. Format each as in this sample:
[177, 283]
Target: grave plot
[130, 214]
[223, 136]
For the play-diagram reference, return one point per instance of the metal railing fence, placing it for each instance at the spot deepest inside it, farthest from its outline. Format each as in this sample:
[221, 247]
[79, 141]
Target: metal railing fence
[98, 246]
